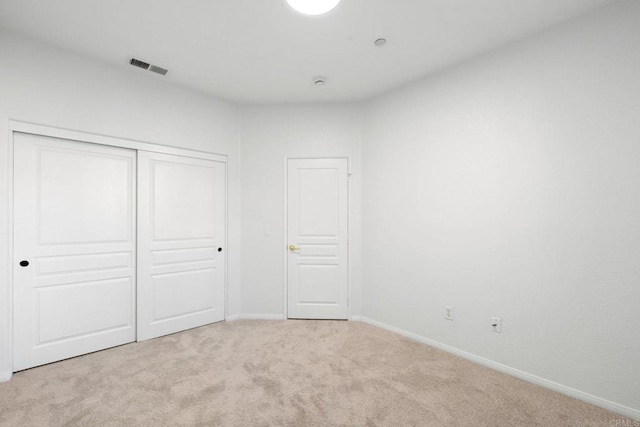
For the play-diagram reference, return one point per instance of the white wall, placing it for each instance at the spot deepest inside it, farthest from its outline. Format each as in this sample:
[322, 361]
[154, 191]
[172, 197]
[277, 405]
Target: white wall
[509, 186]
[42, 85]
[269, 135]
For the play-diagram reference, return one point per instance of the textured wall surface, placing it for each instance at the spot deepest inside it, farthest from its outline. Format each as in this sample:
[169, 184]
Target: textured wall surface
[508, 187]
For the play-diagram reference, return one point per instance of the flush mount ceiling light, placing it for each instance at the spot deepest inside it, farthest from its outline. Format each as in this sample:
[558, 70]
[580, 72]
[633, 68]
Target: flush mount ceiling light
[313, 7]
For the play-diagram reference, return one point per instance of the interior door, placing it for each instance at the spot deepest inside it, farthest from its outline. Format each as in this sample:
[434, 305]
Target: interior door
[74, 248]
[181, 236]
[317, 232]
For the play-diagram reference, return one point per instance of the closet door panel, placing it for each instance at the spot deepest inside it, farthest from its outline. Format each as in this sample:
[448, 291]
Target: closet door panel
[181, 236]
[74, 247]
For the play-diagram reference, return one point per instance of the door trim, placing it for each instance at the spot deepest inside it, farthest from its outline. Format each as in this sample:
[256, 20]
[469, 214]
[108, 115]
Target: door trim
[18, 126]
[285, 242]
[73, 135]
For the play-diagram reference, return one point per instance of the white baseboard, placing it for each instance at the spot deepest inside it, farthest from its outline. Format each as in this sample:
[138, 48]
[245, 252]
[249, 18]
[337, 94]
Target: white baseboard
[5, 376]
[255, 316]
[568, 391]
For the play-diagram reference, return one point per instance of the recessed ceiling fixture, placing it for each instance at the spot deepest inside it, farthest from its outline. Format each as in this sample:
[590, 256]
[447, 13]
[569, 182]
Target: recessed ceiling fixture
[319, 81]
[380, 42]
[313, 7]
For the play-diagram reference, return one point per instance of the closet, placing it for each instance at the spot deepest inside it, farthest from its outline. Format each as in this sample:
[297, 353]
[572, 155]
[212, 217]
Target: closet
[114, 241]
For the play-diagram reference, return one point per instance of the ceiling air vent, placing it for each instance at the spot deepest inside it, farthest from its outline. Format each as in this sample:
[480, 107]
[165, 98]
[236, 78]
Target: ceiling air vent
[146, 66]
[140, 64]
[158, 70]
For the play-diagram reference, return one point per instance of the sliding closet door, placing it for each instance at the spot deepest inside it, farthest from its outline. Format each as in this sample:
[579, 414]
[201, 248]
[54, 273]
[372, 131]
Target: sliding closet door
[74, 248]
[181, 236]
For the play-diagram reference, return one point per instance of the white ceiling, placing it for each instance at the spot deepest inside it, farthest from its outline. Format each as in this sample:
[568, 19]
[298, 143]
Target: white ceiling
[261, 51]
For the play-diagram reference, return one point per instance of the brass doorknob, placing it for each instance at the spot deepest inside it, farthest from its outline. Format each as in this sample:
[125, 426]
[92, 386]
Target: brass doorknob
[293, 248]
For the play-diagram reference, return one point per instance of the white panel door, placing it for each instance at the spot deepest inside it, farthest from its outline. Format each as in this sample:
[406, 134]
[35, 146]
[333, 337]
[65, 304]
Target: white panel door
[317, 232]
[74, 248]
[181, 235]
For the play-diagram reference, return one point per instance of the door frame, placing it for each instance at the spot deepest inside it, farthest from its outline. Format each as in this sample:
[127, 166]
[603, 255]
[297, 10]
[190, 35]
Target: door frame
[285, 242]
[18, 126]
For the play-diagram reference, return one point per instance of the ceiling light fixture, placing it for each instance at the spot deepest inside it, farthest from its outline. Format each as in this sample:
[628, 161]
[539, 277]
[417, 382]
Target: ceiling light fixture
[313, 7]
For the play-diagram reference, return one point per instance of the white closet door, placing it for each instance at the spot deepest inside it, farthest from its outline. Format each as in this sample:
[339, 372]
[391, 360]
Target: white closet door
[317, 216]
[181, 235]
[74, 248]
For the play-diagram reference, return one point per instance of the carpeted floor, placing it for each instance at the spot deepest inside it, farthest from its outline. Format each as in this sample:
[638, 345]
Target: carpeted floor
[291, 373]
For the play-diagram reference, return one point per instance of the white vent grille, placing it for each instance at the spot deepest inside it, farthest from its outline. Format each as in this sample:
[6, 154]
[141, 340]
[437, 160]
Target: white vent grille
[158, 70]
[146, 66]
[140, 64]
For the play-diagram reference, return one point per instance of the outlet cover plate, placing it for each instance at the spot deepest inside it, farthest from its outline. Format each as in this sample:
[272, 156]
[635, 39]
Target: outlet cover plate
[448, 312]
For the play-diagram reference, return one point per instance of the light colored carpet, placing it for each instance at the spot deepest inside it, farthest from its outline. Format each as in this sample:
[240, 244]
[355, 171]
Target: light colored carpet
[291, 373]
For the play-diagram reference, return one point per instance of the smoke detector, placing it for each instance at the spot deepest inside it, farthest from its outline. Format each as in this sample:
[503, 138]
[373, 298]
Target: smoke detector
[380, 42]
[319, 81]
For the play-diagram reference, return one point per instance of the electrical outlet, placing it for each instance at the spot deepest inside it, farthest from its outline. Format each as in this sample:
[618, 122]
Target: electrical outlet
[496, 324]
[448, 312]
